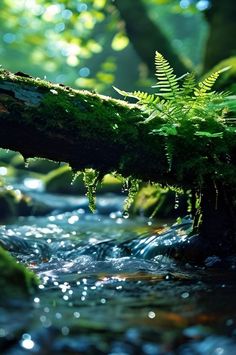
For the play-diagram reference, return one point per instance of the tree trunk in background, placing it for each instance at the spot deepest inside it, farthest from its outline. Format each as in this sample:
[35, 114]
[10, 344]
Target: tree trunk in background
[218, 227]
[221, 42]
[146, 36]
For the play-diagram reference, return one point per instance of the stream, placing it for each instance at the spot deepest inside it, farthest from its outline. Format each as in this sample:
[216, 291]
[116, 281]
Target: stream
[109, 286]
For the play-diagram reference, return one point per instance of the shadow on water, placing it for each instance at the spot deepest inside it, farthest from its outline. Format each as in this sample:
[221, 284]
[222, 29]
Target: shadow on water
[109, 286]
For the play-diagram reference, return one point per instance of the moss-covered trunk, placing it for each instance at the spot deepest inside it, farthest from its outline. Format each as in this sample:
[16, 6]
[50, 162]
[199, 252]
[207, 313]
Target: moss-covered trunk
[87, 130]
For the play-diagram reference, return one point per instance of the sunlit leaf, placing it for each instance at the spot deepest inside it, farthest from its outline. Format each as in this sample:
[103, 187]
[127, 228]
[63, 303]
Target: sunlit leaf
[119, 42]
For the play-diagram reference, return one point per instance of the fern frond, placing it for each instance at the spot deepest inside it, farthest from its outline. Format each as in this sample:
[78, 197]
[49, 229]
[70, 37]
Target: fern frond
[189, 84]
[205, 85]
[143, 98]
[167, 81]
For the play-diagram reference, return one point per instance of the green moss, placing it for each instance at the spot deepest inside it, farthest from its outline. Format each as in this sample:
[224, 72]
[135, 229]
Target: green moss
[15, 279]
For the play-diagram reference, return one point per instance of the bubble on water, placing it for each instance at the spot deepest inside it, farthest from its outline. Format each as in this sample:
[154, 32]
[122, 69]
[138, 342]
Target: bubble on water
[65, 331]
[76, 314]
[58, 315]
[73, 219]
[36, 300]
[43, 319]
[103, 300]
[119, 221]
[185, 295]
[32, 184]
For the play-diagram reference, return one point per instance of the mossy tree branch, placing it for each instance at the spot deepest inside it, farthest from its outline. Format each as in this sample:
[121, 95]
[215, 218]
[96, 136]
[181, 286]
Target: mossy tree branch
[40, 119]
[87, 130]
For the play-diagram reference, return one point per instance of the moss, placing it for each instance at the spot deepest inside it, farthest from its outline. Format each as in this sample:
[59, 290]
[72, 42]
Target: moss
[15, 279]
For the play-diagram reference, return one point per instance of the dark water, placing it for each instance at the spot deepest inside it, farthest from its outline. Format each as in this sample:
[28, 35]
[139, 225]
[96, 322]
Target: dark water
[108, 286]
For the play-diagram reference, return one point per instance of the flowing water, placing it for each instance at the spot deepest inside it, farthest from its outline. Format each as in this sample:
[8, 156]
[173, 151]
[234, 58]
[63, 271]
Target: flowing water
[109, 286]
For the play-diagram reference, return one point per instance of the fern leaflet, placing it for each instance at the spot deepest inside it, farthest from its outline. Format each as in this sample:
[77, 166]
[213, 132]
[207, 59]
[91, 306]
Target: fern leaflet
[205, 86]
[167, 81]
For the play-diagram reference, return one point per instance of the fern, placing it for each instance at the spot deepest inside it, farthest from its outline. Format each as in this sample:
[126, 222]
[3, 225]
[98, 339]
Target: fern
[143, 97]
[167, 81]
[206, 85]
[189, 84]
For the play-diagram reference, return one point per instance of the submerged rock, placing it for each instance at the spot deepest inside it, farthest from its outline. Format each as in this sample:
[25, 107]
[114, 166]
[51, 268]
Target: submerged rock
[16, 281]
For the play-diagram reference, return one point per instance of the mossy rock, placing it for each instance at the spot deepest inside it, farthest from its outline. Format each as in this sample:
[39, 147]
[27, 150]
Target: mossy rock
[7, 155]
[17, 161]
[60, 181]
[16, 280]
[13, 203]
[158, 202]
[109, 184]
[41, 166]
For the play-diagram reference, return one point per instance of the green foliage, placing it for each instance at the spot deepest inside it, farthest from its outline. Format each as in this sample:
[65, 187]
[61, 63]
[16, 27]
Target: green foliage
[167, 81]
[133, 187]
[189, 117]
[91, 178]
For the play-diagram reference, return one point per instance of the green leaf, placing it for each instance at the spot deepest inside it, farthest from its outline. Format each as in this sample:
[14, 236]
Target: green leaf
[208, 134]
[166, 130]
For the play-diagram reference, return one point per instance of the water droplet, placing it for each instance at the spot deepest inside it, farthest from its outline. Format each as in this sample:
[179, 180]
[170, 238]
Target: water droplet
[103, 300]
[125, 215]
[176, 201]
[27, 344]
[36, 300]
[76, 314]
[54, 92]
[151, 314]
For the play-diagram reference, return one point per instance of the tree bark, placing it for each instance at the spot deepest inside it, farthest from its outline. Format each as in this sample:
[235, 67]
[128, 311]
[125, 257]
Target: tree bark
[146, 36]
[222, 28]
